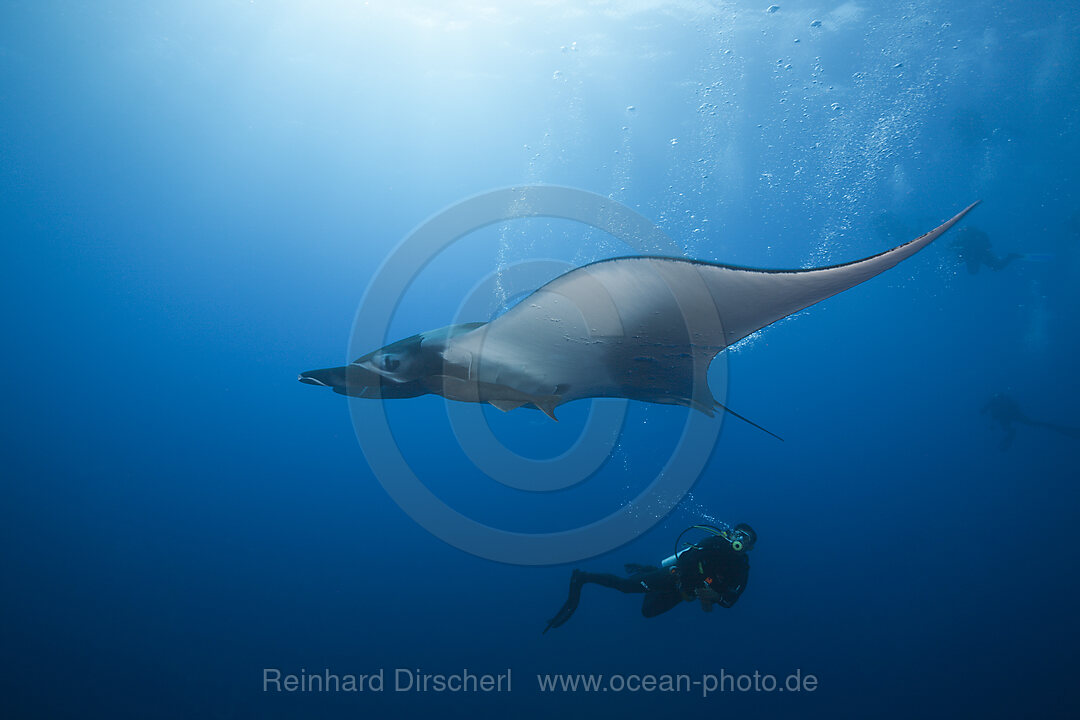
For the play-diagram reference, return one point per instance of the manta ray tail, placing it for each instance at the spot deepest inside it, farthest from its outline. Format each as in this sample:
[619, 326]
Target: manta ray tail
[747, 420]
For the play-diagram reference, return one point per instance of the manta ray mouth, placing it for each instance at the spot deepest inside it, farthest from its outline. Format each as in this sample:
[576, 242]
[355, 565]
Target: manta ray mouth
[360, 382]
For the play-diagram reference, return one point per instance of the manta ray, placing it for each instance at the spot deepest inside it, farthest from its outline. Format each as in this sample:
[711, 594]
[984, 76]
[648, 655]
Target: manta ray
[644, 328]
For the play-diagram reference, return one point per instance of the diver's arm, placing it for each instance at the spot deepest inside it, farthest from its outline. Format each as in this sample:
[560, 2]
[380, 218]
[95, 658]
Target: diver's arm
[734, 586]
[707, 596]
[708, 572]
[701, 573]
[691, 572]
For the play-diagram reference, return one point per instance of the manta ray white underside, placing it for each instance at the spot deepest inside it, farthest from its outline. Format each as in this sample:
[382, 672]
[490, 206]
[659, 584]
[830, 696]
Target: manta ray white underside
[643, 328]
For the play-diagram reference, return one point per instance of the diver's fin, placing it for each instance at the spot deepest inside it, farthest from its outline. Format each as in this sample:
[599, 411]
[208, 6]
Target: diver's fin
[1063, 429]
[506, 405]
[747, 420]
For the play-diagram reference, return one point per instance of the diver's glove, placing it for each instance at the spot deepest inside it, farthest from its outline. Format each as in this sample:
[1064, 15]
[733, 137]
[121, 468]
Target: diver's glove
[570, 605]
[707, 596]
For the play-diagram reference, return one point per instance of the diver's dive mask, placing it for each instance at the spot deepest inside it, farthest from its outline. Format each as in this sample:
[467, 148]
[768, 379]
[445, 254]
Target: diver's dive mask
[742, 538]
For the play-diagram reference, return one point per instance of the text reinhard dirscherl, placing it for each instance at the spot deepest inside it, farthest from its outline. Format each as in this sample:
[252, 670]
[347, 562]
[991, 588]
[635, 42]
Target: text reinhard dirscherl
[417, 681]
[402, 680]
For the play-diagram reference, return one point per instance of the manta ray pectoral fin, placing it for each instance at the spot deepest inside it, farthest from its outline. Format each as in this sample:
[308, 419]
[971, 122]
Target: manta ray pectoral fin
[453, 388]
[748, 421]
[699, 406]
[507, 405]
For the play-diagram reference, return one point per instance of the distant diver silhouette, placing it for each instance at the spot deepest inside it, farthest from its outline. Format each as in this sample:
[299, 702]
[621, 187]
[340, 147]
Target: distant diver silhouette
[1005, 411]
[972, 246]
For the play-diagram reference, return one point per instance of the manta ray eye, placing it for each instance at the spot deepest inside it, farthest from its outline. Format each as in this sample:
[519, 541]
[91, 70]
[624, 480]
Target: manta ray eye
[390, 363]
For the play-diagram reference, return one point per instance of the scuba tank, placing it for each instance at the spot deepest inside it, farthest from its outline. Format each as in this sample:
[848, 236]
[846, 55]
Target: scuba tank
[672, 559]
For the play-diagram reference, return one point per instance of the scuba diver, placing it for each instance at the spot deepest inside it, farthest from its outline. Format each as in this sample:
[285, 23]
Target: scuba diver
[713, 571]
[1005, 411]
[973, 247]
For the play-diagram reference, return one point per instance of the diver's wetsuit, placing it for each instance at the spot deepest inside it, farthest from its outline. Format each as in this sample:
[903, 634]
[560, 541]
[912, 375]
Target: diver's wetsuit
[973, 247]
[711, 565]
[1007, 413]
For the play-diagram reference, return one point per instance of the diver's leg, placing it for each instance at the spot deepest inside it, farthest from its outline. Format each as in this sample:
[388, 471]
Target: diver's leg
[1010, 435]
[630, 584]
[1063, 429]
[578, 580]
[996, 263]
[662, 593]
[636, 569]
[657, 603]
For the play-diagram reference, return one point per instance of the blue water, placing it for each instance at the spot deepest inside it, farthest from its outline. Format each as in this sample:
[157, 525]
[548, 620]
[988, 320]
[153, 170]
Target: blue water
[194, 198]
